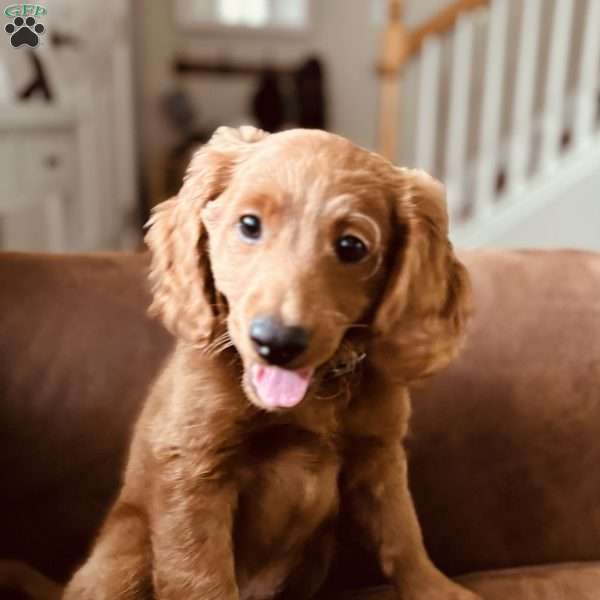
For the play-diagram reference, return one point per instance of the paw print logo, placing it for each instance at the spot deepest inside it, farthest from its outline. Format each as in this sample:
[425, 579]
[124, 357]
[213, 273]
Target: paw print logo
[24, 32]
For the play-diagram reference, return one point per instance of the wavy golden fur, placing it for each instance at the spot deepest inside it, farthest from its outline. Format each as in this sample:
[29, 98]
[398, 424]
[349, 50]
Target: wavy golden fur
[225, 498]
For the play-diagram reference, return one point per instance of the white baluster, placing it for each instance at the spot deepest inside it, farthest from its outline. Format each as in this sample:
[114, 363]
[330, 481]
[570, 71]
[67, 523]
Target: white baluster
[521, 138]
[489, 129]
[429, 76]
[555, 82]
[588, 84]
[458, 112]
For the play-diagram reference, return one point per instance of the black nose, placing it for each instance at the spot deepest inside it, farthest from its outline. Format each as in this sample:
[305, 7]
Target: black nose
[275, 342]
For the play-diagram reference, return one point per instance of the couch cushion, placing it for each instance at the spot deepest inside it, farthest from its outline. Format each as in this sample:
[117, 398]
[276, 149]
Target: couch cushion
[77, 354]
[569, 581]
[505, 445]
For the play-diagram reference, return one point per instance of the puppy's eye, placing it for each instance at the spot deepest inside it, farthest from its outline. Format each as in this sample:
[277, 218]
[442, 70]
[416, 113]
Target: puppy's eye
[250, 227]
[350, 249]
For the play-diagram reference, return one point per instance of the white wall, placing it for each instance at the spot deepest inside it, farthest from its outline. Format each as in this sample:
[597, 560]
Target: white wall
[344, 33]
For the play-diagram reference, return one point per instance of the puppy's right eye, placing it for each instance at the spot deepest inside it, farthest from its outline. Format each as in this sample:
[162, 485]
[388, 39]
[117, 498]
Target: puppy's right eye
[350, 249]
[250, 227]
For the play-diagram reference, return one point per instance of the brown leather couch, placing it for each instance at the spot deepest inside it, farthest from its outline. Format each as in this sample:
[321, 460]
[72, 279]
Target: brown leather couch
[505, 445]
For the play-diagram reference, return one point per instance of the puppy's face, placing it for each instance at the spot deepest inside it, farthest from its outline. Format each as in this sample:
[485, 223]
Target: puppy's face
[297, 243]
[306, 237]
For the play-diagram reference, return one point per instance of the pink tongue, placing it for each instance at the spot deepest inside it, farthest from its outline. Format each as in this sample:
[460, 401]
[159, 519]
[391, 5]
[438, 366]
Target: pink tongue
[280, 388]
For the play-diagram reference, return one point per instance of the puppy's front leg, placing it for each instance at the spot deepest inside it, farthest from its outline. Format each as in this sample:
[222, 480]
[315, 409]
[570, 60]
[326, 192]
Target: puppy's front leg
[384, 508]
[377, 493]
[192, 541]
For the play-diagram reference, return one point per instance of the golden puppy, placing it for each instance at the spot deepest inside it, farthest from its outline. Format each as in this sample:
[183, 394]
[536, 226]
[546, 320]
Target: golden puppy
[308, 282]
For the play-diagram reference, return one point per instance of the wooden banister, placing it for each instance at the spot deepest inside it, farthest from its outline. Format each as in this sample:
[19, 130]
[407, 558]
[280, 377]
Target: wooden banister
[440, 23]
[392, 60]
[398, 46]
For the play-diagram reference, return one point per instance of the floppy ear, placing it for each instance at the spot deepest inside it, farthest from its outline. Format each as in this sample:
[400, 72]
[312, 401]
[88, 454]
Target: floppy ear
[421, 319]
[180, 272]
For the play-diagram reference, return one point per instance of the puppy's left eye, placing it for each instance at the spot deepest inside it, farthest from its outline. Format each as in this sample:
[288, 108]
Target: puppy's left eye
[250, 227]
[350, 249]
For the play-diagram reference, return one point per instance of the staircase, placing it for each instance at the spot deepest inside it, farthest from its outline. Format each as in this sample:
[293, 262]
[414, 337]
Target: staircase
[501, 100]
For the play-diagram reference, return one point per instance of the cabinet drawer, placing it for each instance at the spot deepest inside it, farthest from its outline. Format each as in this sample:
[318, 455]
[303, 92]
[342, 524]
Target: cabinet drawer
[38, 190]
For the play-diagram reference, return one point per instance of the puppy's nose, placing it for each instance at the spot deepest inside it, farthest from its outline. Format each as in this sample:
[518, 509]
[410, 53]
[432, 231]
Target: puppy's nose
[277, 343]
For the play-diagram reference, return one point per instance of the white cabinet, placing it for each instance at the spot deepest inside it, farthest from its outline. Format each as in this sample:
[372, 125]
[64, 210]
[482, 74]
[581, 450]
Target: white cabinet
[38, 180]
[68, 167]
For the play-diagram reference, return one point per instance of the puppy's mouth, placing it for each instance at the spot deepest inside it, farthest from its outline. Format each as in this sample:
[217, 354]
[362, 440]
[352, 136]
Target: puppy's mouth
[278, 388]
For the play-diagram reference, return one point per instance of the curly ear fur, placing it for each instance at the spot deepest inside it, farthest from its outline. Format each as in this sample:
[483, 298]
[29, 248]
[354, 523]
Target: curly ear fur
[180, 269]
[424, 308]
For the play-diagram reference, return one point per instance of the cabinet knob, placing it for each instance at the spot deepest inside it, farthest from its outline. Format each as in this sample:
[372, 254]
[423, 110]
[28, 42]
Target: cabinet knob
[51, 161]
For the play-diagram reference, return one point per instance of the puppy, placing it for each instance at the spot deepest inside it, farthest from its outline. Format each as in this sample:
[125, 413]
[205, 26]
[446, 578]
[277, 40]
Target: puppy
[308, 283]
